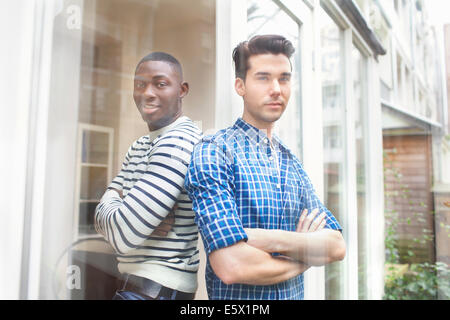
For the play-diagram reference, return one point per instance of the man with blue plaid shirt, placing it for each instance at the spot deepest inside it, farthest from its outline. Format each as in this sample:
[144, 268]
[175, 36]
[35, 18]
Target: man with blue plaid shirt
[260, 219]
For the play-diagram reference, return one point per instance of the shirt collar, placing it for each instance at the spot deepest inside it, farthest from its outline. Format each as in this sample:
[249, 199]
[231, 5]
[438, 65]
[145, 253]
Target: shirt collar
[157, 133]
[256, 135]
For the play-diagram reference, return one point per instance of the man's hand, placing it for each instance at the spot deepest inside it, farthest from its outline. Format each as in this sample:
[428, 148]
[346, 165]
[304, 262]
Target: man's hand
[310, 244]
[306, 223]
[166, 225]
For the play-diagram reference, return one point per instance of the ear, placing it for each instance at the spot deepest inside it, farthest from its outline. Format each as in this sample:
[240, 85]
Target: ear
[184, 89]
[239, 86]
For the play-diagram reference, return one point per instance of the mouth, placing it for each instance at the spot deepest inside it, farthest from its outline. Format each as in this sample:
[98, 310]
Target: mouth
[149, 108]
[274, 104]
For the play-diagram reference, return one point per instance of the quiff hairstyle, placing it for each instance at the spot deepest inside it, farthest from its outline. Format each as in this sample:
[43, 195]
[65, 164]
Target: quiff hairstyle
[274, 44]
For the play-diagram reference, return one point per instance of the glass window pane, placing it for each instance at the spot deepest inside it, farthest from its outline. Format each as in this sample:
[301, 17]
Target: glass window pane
[95, 147]
[100, 55]
[333, 135]
[86, 218]
[93, 182]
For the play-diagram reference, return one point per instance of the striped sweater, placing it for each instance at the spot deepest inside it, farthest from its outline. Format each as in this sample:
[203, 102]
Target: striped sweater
[152, 182]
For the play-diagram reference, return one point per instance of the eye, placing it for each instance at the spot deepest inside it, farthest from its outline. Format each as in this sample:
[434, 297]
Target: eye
[139, 84]
[161, 84]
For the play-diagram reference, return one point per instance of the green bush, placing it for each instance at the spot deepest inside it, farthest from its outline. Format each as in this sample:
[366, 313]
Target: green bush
[422, 281]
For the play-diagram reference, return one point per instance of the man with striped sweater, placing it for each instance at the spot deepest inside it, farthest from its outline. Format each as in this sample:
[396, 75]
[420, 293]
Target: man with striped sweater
[145, 213]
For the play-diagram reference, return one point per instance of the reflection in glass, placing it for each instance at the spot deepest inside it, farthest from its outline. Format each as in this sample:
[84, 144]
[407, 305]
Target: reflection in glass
[265, 17]
[93, 182]
[333, 138]
[95, 147]
[92, 81]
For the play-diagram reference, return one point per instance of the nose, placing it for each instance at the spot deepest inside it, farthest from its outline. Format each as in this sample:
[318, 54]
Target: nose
[148, 92]
[275, 89]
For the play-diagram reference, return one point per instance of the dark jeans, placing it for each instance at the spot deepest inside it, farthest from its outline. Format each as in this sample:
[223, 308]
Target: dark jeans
[129, 295]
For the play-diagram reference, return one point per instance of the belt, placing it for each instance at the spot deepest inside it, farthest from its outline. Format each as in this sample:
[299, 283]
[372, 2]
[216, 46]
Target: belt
[151, 290]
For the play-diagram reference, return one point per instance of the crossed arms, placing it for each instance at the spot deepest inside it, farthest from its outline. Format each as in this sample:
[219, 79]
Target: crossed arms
[239, 255]
[251, 262]
[148, 207]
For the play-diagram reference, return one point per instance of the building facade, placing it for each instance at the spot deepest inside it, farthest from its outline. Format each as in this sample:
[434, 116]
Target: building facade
[366, 81]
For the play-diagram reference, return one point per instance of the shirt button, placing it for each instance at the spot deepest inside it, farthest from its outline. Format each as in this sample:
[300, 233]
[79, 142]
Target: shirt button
[270, 158]
[266, 140]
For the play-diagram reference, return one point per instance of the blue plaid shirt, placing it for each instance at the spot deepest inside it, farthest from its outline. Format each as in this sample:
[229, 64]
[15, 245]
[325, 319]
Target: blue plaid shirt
[237, 180]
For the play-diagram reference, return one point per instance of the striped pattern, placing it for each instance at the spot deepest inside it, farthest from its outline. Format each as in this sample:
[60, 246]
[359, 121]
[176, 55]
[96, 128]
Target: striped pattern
[152, 179]
[237, 180]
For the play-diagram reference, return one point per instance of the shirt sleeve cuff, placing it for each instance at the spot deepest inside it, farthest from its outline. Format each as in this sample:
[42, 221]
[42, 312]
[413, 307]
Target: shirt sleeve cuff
[222, 232]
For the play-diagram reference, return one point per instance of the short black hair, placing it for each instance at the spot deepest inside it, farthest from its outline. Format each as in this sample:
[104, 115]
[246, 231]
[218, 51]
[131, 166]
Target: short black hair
[261, 44]
[162, 56]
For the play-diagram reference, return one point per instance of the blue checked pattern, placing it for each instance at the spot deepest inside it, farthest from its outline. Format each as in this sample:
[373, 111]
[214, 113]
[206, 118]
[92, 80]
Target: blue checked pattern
[236, 180]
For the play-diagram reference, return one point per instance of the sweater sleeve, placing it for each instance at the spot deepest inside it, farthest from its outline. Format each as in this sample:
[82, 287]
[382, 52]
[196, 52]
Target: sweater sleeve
[126, 223]
[117, 182]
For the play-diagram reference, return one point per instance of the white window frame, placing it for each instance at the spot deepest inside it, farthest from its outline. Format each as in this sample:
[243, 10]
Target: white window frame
[44, 125]
[39, 100]
[84, 128]
[374, 166]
